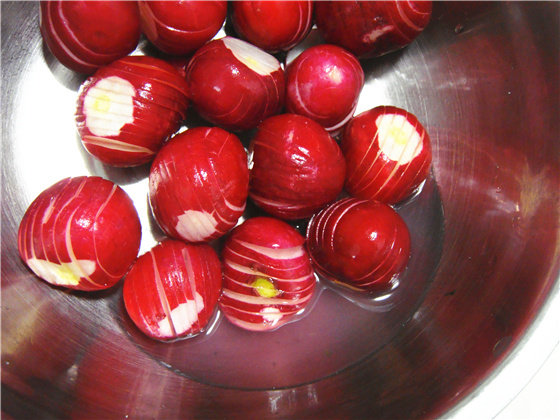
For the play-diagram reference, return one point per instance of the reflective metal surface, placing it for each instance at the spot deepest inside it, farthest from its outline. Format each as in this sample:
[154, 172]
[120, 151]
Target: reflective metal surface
[483, 79]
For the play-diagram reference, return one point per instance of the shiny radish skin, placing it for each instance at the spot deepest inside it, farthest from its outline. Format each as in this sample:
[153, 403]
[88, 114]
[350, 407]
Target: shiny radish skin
[198, 184]
[324, 83]
[127, 109]
[81, 233]
[372, 28]
[272, 25]
[181, 27]
[359, 244]
[234, 84]
[388, 154]
[86, 35]
[296, 167]
[172, 290]
[268, 277]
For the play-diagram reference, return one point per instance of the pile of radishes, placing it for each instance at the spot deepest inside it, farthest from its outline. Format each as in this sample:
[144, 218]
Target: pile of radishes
[309, 158]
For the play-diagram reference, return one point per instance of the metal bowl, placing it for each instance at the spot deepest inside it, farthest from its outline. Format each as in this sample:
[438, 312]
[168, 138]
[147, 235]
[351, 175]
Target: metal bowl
[483, 79]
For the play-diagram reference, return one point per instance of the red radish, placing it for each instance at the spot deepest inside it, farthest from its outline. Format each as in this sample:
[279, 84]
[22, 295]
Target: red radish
[199, 183]
[180, 64]
[360, 244]
[268, 277]
[81, 233]
[296, 167]
[85, 35]
[272, 25]
[388, 154]
[324, 83]
[234, 84]
[181, 27]
[127, 109]
[372, 28]
[172, 290]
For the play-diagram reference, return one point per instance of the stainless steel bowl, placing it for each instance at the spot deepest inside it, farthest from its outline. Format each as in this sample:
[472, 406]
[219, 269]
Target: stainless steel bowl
[483, 79]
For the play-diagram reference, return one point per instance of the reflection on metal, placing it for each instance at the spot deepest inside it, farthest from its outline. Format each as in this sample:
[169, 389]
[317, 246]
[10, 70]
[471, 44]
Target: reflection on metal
[485, 256]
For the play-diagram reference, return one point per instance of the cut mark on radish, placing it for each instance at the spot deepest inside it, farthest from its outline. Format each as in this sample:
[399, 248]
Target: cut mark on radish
[249, 260]
[62, 44]
[196, 226]
[275, 253]
[64, 274]
[276, 204]
[253, 57]
[373, 35]
[259, 300]
[404, 17]
[191, 276]
[116, 145]
[397, 138]
[251, 326]
[233, 207]
[108, 106]
[182, 317]
[272, 315]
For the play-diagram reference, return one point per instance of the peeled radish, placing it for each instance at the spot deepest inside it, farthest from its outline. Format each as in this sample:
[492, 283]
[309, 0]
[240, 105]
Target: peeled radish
[268, 278]
[360, 244]
[272, 25]
[199, 183]
[372, 28]
[181, 27]
[296, 167]
[234, 84]
[85, 35]
[172, 290]
[324, 83]
[388, 154]
[81, 233]
[127, 109]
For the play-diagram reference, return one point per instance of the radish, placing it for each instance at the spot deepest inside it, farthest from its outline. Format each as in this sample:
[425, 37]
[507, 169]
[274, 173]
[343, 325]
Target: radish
[268, 277]
[81, 233]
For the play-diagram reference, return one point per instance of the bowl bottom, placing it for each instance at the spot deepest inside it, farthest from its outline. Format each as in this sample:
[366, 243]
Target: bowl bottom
[337, 330]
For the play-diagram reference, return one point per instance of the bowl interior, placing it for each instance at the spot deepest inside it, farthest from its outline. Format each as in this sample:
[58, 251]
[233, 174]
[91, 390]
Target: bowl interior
[483, 80]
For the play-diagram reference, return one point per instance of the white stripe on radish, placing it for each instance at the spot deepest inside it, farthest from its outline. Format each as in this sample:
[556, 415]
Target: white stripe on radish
[116, 145]
[108, 106]
[258, 300]
[182, 317]
[65, 274]
[398, 139]
[253, 57]
[275, 253]
[196, 226]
